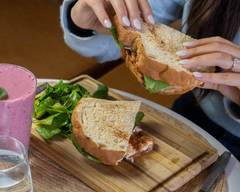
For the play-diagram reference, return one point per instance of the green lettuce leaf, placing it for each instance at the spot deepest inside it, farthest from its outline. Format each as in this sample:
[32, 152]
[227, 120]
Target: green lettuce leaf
[139, 118]
[115, 36]
[101, 92]
[3, 94]
[53, 108]
[154, 86]
[48, 132]
[56, 120]
[42, 107]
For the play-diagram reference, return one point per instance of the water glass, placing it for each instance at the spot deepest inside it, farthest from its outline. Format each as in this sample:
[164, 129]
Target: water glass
[15, 174]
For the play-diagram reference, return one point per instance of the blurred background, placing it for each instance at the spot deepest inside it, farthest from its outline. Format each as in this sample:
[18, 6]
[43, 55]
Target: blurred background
[31, 36]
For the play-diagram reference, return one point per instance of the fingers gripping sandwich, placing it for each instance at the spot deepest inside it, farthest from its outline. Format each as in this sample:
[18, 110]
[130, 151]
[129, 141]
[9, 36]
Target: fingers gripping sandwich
[151, 57]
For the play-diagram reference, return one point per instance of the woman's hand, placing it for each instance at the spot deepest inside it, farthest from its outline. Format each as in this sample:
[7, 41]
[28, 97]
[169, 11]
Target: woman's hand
[92, 14]
[215, 51]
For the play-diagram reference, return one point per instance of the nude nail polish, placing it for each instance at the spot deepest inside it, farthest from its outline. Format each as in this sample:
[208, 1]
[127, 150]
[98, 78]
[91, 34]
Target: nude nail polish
[137, 24]
[126, 21]
[182, 53]
[197, 74]
[188, 44]
[184, 62]
[107, 23]
[151, 19]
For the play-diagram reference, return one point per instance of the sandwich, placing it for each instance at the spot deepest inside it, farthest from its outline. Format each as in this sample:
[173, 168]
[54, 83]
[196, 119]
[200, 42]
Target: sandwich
[150, 54]
[106, 130]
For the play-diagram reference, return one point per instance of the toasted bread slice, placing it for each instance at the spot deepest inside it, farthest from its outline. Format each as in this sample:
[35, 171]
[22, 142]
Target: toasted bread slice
[153, 54]
[103, 128]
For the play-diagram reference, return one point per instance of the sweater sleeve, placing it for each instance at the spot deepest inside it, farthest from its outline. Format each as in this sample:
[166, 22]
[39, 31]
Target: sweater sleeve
[167, 11]
[232, 110]
[96, 46]
[103, 47]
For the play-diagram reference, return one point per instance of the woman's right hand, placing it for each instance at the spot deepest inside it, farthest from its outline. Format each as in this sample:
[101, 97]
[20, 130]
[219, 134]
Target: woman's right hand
[92, 14]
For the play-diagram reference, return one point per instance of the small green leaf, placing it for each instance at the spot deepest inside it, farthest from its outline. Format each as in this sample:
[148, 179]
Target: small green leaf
[57, 120]
[101, 92]
[115, 37]
[83, 152]
[46, 93]
[41, 108]
[80, 89]
[139, 118]
[48, 133]
[72, 100]
[154, 86]
[56, 108]
[3, 94]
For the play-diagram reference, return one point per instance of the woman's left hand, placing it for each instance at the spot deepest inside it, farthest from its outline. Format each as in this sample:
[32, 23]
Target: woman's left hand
[215, 51]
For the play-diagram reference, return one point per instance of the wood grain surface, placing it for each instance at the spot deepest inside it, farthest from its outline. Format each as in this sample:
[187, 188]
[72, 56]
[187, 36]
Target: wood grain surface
[49, 177]
[179, 155]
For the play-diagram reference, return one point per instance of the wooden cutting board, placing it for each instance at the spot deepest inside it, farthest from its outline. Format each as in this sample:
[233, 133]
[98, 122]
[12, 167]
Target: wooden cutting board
[179, 155]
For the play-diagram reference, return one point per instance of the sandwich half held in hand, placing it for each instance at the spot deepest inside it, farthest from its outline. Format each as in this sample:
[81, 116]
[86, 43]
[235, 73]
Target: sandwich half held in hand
[106, 130]
[151, 56]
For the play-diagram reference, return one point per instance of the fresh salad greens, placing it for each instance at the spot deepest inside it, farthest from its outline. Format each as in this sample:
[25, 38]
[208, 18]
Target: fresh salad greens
[53, 108]
[101, 92]
[115, 36]
[139, 118]
[154, 86]
[3, 94]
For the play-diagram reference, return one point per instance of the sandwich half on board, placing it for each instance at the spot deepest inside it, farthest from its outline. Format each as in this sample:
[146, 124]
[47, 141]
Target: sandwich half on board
[107, 131]
[150, 54]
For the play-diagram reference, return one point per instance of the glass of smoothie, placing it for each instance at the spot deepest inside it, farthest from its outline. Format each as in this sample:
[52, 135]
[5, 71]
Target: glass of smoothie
[17, 92]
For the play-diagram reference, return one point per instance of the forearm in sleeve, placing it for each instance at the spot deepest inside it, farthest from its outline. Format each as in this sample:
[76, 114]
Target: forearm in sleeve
[87, 42]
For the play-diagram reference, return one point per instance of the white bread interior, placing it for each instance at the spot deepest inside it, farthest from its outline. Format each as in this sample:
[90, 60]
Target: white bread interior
[162, 42]
[103, 128]
[153, 54]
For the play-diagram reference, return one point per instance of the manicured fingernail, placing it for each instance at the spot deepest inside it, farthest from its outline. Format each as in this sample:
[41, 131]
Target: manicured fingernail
[184, 62]
[151, 19]
[126, 21]
[182, 53]
[197, 74]
[137, 24]
[188, 44]
[107, 23]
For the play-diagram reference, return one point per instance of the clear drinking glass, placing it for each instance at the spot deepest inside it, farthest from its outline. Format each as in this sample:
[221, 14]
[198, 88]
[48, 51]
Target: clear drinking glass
[15, 174]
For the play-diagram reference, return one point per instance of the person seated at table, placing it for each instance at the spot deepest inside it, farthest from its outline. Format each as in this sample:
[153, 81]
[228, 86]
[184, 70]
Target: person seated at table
[215, 23]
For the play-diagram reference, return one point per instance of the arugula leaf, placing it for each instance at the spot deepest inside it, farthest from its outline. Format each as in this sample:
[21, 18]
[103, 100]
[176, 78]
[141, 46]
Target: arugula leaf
[48, 133]
[53, 108]
[56, 108]
[83, 152]
[81, 90]
[46, 93]
[139, 117]
[72, 100]
[42, 107]
[101, 92]
[154, 86]
[61, 89]
[56, 120]
[3, 94]
[115, 37]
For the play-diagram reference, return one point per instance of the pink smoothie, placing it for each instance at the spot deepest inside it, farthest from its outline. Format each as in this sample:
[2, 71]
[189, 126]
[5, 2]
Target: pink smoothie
[16, 110]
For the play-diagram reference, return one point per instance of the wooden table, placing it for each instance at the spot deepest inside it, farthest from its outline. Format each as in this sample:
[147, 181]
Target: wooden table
[48, 176]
